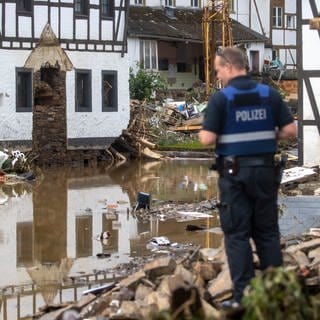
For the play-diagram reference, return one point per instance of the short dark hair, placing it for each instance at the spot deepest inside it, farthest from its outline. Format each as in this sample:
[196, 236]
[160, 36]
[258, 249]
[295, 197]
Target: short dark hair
[234, 56]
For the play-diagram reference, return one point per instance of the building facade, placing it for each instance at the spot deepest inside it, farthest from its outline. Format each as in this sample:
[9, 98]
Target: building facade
[64, 83]
[270, 35]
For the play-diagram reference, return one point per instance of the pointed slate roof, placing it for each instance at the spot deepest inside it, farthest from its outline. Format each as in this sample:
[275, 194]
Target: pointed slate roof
[180, 25]
[48, 53]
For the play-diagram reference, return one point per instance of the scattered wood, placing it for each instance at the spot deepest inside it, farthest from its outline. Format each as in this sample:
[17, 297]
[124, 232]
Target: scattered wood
[185, 286]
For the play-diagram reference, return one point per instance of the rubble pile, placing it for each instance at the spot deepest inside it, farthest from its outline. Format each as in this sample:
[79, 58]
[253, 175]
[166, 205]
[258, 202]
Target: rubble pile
[150, 124]
[15, 167]
[190, 285]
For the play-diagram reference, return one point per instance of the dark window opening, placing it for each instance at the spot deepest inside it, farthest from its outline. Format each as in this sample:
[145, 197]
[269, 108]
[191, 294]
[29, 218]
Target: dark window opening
[163, 64]
[83, 91]
[184, 67]
[24, 5]
[81, 7]
[23, 90]
[109, 91]
[107, 8]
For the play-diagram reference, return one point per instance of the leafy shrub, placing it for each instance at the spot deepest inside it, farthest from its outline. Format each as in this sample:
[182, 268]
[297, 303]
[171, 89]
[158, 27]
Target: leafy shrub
[143, 84]
[278, 294]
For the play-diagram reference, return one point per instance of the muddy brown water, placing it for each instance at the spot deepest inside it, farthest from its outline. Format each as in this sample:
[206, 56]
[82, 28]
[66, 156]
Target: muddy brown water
[49, 229]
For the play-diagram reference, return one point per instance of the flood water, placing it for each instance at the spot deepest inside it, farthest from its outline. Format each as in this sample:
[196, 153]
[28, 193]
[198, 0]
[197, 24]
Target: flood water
[49, 229]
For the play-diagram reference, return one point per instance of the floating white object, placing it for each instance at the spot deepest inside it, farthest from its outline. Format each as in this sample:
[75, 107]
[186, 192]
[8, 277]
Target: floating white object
[195, 214]
[296, 174]
[160, 241]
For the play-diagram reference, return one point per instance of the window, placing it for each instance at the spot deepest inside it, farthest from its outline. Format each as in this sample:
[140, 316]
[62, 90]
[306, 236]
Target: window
[170, 3]
[109, 91]
[195, 3]
[277, 17]
[138, 2]
[83, 91]
[107, 8]
[291, 21]
[148, 54]
[81, 7]
[275, 54]
[23, 90]
[24, 5]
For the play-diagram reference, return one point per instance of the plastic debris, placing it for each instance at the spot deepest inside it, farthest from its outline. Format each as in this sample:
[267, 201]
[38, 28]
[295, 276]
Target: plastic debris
[160, 241]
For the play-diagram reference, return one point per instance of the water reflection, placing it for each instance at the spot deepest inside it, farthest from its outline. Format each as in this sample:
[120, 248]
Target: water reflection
[49, 230]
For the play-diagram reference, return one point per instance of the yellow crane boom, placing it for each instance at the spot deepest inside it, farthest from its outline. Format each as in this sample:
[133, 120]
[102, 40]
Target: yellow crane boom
[215, 17]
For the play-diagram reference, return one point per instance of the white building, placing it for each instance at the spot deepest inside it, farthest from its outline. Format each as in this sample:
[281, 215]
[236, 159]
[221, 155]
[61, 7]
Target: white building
[309, 82]
[277, 20]
[169, 38]
[85, 41]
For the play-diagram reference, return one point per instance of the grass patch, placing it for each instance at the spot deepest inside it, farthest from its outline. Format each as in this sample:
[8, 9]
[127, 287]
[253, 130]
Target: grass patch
[193, 145]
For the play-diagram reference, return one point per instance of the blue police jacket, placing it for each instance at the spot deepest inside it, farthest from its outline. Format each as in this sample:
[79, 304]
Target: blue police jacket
[249, 127]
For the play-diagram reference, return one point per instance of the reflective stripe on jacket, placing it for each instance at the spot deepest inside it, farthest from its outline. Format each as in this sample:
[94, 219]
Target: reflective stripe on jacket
[249, 127]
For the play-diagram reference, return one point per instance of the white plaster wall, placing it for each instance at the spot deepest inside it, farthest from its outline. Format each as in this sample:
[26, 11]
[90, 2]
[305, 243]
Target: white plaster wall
[264, 12]
[310, 49]
[106, 30]
[121, 25]
[311, 152]
[24, 27]
[290, 38]
[241, 13]
[81, 29]
[67, 23]
[290, 6]
[98, 123]
[54, 16]
[40, 19]
[306, 9]
[1, 17]
[310, 61]
[94, 29]
[13, 125]
[10, 23]
[277, 37]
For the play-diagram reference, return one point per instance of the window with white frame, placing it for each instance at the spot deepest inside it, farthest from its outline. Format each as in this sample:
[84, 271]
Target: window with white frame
[291, 21]
[138, 2]
[149, 54]
[277, 17]
[170, 3]
[195, 3]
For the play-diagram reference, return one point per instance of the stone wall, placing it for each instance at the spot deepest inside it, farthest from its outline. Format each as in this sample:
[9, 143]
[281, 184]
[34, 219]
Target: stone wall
[49, 134]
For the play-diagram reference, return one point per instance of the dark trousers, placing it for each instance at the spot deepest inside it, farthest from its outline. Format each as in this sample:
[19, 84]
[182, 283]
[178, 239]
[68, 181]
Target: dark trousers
[249, 210]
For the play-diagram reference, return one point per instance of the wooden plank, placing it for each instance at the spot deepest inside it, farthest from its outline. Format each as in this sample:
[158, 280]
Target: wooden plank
[188, 128]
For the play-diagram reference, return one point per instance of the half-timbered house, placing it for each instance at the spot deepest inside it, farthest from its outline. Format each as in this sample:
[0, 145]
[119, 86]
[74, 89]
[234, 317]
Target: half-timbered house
[166, 36]
[309, 82]
[64, 76]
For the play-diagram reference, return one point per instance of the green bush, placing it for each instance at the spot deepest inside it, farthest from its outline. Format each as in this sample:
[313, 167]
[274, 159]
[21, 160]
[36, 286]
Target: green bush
[143, 84]
[278, 294]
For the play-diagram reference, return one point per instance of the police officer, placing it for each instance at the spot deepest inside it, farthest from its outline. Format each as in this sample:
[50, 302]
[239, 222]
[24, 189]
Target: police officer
[244, 120]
